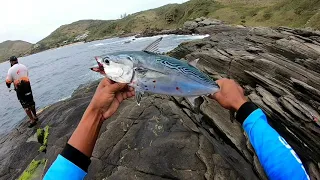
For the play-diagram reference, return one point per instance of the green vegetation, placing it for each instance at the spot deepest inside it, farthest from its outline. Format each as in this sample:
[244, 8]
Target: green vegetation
[68, 33]
[292, 13]
[42, 135]
[13, 48]
[30, 172]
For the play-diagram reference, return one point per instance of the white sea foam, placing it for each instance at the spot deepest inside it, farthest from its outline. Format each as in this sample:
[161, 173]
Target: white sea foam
[95, 45]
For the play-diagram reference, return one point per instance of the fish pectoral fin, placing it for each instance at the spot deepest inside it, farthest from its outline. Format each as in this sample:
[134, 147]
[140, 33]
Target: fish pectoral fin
[194, 62]
[138, 96]
[153, 47]
[140, 70]
[195, 102]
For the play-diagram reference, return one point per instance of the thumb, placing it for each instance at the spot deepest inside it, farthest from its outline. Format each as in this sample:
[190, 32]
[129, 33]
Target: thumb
[115, 87]
[216, 96]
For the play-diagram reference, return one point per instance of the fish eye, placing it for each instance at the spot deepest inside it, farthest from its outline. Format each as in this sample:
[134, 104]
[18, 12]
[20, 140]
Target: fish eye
[106, 60]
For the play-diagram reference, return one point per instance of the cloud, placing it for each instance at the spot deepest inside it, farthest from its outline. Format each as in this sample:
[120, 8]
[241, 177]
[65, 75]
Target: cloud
[33, 20]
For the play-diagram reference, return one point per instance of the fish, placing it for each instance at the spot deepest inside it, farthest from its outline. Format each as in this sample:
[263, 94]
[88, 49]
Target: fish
[148, 71]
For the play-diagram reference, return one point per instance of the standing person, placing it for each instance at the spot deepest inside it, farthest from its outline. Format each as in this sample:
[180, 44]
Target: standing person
[18, 75]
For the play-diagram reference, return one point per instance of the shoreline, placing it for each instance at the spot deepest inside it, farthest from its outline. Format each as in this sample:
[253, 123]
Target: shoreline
[185, 30]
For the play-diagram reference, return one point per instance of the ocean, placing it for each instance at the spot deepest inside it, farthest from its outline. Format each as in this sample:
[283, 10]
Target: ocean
[56, 73]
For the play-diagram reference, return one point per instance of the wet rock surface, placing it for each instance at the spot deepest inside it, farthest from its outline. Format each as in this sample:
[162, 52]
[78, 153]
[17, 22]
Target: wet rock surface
[279, 69]
[160, 139]
[164, 139]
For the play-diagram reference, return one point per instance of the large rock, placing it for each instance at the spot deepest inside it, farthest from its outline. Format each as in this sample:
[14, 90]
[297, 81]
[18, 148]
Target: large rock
[158, 139]
[199, 26]
[200, 22]
[190, 25]
[280, 71]
[208, 22]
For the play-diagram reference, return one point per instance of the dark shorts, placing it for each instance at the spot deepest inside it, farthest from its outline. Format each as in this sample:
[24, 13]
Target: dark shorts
[24, 94]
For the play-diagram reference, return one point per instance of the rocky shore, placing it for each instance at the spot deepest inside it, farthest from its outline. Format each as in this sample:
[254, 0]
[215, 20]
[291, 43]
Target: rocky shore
[163, 139]
[189, 28]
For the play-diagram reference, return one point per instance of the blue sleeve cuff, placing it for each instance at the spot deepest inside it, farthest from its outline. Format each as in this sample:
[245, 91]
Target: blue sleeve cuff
[252, 118]
[244, 111]
[63, 169]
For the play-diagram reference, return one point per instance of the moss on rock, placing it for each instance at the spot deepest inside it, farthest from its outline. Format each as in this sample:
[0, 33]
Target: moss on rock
[40, 135]
[43, 135]
[46, 135]
[29, 173]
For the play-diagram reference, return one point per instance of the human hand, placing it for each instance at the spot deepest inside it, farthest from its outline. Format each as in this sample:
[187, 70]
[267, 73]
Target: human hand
[108, 97]
[231, 95]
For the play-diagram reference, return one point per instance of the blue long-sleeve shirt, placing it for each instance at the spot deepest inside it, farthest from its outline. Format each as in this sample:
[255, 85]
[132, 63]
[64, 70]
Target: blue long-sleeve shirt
[62, 169]
[70, 164]
[276, 156]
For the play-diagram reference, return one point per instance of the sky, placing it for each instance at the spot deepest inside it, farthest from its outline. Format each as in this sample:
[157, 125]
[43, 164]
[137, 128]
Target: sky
[33, 20]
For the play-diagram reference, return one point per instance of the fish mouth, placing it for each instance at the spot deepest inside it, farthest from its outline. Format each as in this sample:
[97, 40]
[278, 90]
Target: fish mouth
[99, 68]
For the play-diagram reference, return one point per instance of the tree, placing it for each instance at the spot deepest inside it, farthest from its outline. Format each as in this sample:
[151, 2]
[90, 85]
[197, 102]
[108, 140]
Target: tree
[123, 15]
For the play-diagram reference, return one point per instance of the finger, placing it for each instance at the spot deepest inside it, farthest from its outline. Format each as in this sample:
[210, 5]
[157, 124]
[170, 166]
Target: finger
[104, 82]
[119, 97]
[130, 94]
[124, 95]
[212, 94]
[220, 84]
[221, 81]
[241, 89]
[125, 89]
[116, 87]
[216, 96]
[128, 90]
[112, 108]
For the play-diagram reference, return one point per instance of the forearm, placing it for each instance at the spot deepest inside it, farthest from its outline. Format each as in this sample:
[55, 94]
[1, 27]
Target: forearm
[276, 156]
[86, 134]
[74, 160]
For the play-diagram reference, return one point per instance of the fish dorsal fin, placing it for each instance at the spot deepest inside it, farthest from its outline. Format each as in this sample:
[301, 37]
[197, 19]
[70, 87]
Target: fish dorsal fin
[194, 62]
[153, 47]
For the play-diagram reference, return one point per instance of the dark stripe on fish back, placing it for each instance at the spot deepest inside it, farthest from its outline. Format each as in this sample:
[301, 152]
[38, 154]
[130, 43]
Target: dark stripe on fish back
[190, 70]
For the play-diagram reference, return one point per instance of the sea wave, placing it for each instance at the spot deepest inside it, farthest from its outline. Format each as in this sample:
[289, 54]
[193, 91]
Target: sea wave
[95, 45]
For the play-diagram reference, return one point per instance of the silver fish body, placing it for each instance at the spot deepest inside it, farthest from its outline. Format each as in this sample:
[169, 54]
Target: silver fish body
[153, 73]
